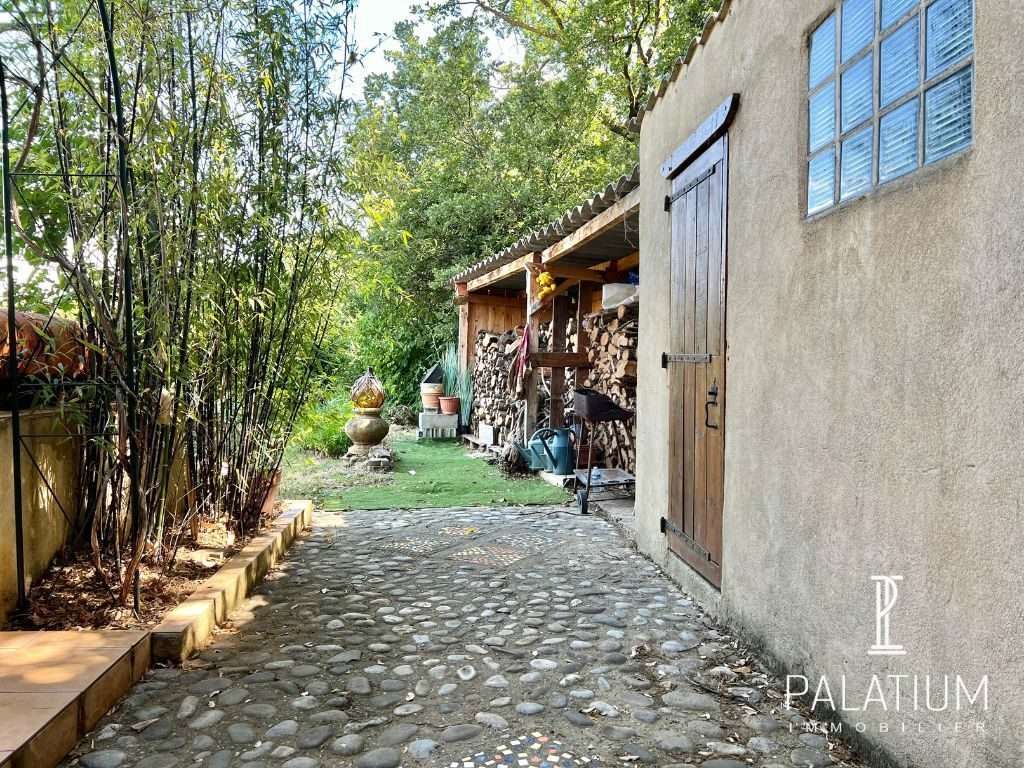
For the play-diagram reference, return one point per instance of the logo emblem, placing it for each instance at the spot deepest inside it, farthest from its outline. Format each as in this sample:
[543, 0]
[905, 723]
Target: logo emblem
[887, 593]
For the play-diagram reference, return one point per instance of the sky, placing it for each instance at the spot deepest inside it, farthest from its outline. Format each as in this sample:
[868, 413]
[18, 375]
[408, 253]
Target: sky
[380, 16]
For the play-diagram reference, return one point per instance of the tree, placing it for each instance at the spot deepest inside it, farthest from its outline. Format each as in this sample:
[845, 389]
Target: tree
[453, 155]
[619, 48]
[171, 187]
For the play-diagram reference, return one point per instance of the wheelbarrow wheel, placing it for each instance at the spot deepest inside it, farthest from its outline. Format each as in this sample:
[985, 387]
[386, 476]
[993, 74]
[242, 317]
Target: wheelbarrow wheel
[581, 500]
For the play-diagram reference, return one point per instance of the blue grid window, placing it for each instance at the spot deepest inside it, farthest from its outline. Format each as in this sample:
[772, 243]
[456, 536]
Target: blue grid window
[890, 89]
[900, 62]
[897, 142]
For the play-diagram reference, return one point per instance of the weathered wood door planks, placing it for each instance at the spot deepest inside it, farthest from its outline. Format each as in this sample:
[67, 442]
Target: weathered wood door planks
[697, 207]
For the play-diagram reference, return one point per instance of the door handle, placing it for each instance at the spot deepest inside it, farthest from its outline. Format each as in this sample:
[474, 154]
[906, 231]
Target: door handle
[712, 401]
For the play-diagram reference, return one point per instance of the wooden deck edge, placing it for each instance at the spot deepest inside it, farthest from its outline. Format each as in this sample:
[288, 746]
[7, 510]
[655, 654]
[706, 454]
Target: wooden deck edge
[66, 727]
[188, 627]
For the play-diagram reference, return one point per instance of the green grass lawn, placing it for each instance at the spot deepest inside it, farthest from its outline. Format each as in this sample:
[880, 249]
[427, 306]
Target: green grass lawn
[435, 473]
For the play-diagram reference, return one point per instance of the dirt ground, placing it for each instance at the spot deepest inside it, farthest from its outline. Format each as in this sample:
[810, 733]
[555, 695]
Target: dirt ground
[74, 595]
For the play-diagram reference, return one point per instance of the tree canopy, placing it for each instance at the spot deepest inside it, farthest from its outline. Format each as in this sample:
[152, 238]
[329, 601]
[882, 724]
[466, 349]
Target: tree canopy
[453, 154]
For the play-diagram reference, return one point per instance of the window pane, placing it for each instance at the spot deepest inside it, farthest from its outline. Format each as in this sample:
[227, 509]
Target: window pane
[899, 62]
[892, 10]
[823, 51]
[823, 117]
[821, 178]
[947, 116]
[897, 142]
[950, 33]
[855, 174]
[857, 93]
[858, 26]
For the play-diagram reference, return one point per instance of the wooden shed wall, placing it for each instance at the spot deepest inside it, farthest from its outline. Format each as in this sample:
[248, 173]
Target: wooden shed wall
[483, 317]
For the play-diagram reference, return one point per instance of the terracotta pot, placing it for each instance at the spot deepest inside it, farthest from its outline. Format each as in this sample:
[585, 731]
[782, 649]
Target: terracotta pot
[429, 394]
[449, 405]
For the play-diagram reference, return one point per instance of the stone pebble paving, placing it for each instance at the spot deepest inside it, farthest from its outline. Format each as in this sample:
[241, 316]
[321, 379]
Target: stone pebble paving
[461, 638]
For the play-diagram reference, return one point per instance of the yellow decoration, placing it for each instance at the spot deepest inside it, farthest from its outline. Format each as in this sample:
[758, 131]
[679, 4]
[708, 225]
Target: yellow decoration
[368, 392]
[545, 285]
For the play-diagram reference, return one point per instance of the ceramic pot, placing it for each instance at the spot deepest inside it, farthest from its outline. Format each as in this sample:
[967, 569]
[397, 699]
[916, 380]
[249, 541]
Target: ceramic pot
[449, 405]
[366, 429]
[430, 394]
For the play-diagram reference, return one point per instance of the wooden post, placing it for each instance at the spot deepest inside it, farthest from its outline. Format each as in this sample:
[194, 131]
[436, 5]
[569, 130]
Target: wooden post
[586, 297]
[466, 345]
[559, 322]
[533, 327]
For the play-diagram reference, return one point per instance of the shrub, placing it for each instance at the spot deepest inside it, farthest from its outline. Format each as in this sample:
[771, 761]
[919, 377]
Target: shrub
[399, 414]
[321, 428]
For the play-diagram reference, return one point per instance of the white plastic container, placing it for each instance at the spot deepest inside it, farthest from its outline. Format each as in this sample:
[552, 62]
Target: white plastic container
[614, 294]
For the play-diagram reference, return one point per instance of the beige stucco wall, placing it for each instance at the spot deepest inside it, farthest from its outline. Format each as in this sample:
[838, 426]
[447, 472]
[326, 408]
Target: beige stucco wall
[875, 385]
[45, 527]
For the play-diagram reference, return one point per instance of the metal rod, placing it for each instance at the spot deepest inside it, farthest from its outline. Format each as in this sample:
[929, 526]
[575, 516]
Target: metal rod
[46, 482]
[33, 174]
[12, 343]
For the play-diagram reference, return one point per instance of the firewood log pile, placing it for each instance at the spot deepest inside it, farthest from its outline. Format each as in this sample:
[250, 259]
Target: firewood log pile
[494, 402]
[613, 336]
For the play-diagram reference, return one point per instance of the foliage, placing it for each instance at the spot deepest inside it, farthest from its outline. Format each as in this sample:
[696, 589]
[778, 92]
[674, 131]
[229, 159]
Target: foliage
[617, 48]
[321, 427]
[165, 153]
[399, 414]
[458, 381]
[451, 370]
[193, 187]
[453, 154]
[465, 396]
[444, 477]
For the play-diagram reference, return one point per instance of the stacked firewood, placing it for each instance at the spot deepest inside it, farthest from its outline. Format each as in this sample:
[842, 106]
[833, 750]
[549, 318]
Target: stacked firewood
[494, 402]
[613, 336]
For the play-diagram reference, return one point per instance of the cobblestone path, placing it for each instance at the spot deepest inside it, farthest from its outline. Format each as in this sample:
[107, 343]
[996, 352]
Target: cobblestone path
[461, 637]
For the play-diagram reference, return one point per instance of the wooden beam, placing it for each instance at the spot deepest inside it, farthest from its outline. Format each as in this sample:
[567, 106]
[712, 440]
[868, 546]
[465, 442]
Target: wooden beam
[567, 270]
[532, 409]
[466, 348]
[559, 323]
[583, 302]
[620, 265]
[485, 300]
[498, 274]
[565, 287]
[559, 291]
[597, 226]
[560, 360]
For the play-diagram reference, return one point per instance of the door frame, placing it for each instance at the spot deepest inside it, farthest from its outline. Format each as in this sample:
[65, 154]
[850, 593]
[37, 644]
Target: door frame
[689, 172]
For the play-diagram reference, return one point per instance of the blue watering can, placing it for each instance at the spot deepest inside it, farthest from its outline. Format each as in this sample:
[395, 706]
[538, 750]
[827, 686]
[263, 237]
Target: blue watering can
[551, 450]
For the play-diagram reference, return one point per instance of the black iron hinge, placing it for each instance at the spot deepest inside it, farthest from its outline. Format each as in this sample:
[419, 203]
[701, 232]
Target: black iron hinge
[670, 527]
[672, 357]
[669, 199]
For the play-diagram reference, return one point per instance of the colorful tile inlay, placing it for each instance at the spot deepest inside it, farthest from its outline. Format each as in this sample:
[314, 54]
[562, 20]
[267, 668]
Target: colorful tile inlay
[489, 554]
[528, 540]
[533, 751]
[417, 546]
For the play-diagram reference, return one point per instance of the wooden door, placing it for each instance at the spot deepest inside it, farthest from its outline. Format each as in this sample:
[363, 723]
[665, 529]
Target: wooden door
[696, 362]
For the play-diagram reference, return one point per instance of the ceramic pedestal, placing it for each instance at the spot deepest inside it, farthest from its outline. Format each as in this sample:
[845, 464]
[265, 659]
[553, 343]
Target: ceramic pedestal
[367, 429]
